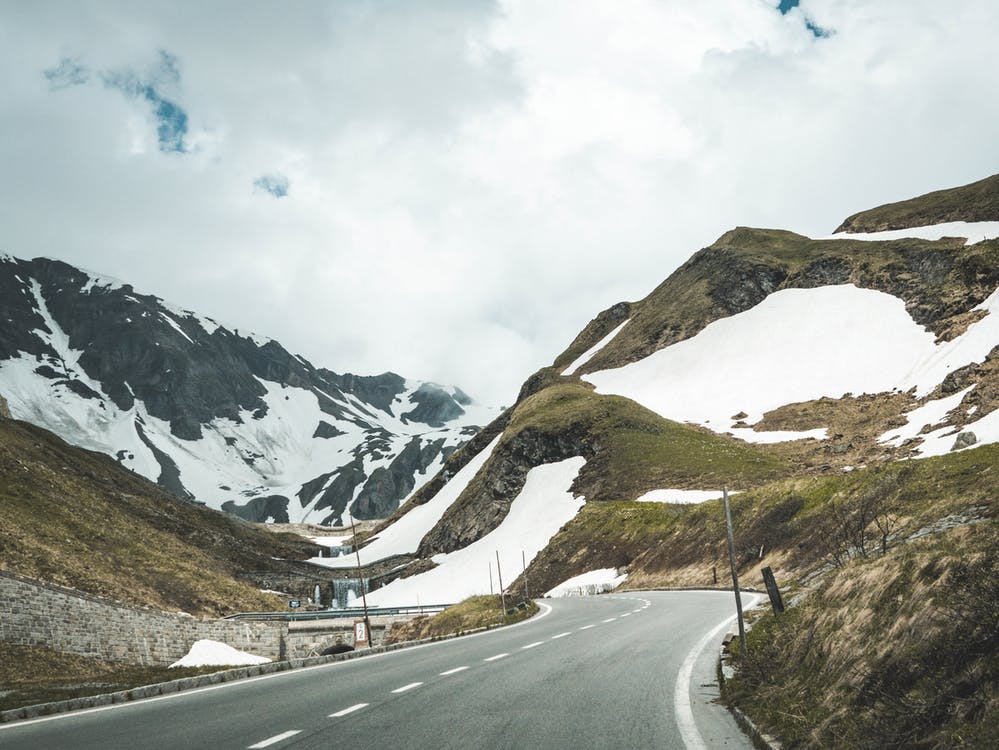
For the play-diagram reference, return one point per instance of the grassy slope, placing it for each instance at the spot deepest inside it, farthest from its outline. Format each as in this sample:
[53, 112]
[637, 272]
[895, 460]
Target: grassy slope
[978, 201]
[77, 518]
[794, 520]
[473, 613]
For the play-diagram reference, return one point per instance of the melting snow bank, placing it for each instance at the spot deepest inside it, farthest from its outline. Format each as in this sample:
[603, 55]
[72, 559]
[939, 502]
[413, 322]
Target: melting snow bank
[543, 506]
[589, 353]
[588, 584]
[206, 653]
[680, 496]
[796, 345]
[404, 536]
[972, 231]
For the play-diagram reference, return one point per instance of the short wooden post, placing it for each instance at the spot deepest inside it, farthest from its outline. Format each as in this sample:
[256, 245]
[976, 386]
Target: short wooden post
[775, 599]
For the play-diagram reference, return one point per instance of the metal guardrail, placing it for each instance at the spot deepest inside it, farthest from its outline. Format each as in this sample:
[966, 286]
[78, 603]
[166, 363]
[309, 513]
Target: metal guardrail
[335, 614]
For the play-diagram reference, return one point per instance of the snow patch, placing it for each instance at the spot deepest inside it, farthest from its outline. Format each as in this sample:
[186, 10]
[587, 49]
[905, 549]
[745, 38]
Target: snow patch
[207, 653]
[684, 497]
[543, 506]
[589, 583]
[973, 231]
[589, 353]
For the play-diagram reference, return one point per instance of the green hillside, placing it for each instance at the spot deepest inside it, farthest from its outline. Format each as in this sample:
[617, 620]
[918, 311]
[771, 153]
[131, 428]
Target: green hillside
[76, 518]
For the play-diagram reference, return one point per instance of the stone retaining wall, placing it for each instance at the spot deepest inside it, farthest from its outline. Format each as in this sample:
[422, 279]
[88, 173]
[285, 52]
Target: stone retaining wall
[63, 619]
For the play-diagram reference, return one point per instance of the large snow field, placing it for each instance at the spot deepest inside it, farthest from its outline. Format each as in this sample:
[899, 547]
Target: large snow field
[543, 506]
[796, 345]
[404, 535]
[973, 231]
[680, 497]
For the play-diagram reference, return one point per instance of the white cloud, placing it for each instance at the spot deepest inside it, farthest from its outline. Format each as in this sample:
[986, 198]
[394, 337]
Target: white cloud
[470, 183]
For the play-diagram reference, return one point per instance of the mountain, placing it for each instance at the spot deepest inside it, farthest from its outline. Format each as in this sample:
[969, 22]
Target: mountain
[767, 358]
[227, 418]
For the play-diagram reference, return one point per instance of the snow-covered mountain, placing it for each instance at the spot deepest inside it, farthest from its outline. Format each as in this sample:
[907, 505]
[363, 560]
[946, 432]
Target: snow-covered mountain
[767, 357]
[227, 418]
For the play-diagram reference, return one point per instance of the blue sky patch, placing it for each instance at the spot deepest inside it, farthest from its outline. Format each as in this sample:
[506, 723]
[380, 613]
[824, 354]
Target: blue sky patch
[171, 119]
[275, 184]
[818, 32]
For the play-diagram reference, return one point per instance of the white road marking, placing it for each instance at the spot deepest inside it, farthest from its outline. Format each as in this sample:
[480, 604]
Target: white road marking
[453, 671]
[494, 658]
[410, 686]
[681, 691]
[560, 635]
[587, 627]
[275, 739]
[352, 709]
[626, 614]
[610, 619]
[532, 645]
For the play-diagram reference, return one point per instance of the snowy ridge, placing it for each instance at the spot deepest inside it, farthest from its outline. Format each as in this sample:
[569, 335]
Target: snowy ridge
[591, 352]
[972, 231]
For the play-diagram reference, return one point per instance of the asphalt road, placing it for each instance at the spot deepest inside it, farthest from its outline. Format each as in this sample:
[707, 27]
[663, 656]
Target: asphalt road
[620, 671]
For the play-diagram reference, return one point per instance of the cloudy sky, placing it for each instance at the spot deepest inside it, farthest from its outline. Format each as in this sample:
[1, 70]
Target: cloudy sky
[451, 189]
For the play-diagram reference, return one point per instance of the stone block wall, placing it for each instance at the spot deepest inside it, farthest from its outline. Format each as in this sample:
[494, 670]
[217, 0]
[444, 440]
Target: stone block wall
[63, 619]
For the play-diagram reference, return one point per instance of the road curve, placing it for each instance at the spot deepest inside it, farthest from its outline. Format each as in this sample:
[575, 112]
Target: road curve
[633, 670]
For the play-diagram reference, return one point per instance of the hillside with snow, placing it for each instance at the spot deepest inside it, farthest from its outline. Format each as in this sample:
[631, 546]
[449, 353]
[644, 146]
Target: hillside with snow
[226, 418]
[768, 357]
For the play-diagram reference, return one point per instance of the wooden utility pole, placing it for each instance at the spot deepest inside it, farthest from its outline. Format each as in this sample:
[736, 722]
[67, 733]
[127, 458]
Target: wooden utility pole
[499, 577]
[735, 575]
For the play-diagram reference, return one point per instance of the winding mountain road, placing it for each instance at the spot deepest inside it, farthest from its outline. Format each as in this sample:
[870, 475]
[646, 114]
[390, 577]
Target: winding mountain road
[634, 670]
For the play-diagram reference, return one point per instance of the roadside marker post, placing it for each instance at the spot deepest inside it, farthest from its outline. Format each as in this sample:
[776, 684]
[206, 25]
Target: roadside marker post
[499, 577]
[735, 575]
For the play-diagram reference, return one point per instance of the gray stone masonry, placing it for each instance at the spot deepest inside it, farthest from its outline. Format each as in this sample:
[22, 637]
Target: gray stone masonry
[63, 619]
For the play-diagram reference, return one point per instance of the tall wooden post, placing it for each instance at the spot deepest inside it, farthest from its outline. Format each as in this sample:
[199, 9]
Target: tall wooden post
[360, 581]
[499, 578]
[523, 561]
[735, 575]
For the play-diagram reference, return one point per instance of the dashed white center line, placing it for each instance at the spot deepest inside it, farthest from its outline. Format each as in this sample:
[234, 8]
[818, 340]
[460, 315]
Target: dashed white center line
[626, 614]
[532, 645]
[587, 627]
[560, 635]
[610, 619]
[494, 658]
[275, 739]
[345, 711]
[410, 686]
[453, 671]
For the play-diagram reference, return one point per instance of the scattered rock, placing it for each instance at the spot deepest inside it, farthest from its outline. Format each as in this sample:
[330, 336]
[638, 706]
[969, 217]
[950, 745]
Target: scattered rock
[4, 409]
[964, 440]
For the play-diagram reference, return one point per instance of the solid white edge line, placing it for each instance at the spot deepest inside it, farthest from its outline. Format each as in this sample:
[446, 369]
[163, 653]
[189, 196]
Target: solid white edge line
[452, 671]
[408, 687]
[494, 658]
[681, 692]
[352, 709]
[546, 610]
[275, 739]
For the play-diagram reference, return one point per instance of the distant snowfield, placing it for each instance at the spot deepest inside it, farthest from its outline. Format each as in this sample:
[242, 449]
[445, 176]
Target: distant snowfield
[404, 536]
[973, 231]
[796, 345]
[543, 506]
[206, 653]
[684, 497]
[589, 583]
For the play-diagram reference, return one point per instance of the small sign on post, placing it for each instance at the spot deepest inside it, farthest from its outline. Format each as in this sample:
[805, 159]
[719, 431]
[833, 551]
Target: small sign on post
[362, 637]
[295, 603]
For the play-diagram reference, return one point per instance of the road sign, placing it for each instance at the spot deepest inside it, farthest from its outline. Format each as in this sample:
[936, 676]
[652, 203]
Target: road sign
[361, 635]
[295, 603]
